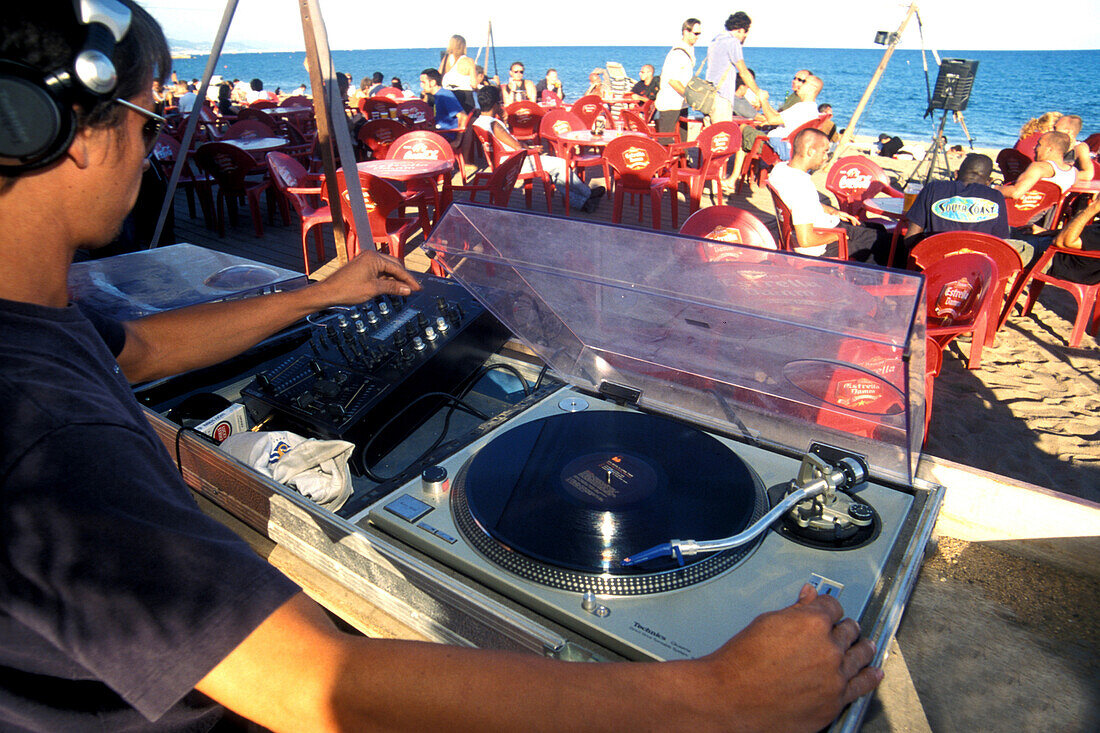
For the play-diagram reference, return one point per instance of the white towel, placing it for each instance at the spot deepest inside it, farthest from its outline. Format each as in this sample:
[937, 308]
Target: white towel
[317, 469]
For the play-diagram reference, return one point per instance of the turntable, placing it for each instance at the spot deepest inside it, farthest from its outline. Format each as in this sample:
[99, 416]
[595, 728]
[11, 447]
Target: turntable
[728, 432]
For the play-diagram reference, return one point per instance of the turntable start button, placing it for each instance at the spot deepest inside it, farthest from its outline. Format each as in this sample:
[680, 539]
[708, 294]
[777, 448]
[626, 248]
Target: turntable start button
[408, 508]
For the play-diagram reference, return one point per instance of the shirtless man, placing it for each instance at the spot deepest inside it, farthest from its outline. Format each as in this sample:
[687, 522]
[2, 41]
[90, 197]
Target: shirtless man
[1049, 165]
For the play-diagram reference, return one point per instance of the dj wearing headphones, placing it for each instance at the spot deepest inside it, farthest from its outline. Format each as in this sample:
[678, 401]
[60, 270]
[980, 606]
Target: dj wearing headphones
[122, 606]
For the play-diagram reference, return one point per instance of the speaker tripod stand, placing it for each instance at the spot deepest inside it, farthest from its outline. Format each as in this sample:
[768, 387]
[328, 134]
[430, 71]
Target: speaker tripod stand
[936, 149]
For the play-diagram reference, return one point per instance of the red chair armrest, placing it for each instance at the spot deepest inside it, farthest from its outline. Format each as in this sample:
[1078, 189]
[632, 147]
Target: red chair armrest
[842, 238]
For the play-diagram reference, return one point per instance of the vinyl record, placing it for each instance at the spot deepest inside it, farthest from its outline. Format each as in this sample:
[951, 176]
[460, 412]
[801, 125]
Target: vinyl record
[578, 492]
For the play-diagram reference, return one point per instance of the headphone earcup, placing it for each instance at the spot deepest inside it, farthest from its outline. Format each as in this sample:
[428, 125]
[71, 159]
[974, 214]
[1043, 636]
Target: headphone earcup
[36, 123]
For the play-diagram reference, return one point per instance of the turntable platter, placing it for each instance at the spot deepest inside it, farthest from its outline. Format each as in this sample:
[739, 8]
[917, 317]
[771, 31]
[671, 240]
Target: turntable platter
[562, 499]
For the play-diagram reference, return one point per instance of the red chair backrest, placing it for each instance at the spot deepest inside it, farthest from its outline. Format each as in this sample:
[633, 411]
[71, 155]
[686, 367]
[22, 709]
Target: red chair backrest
[557, 122]
[1042, 196]
[251, 113]
[783, 218]
[378, 135]
[226, 163]
[856, 178]
[949, 244]
[376, 107]
[958, 287]
[390, 93]
[636, 159]
[726, 224]
[416, 111]
[1012, 163]
[523, 118]
[379, 196]
[1026, 146]
[588, 108]
[717, 144]
[1093, 141]
[633, 122]
[503, 180]
[297, 101]
[286, 173]
[245, 130]
[421, 145]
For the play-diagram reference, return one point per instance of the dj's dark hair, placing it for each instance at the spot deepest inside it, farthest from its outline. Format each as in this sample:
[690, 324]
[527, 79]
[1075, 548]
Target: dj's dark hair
[738, 20]
[46, 35]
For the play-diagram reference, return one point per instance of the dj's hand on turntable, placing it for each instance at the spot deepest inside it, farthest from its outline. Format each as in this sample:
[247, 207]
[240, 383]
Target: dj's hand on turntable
[796, 668]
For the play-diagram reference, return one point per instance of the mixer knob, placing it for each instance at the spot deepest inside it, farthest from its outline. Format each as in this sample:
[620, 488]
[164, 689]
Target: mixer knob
[421, 320]
[399, 338]
[263, 382]
[372, 317]
[441, 324]
[384, 306]
[315, 367]
[433, 480]
[430, 334]
[341, 321]
[418, 343]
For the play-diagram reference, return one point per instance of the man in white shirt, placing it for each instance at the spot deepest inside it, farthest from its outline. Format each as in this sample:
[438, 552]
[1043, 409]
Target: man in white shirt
[795, 187]
[677, 71]
[786, 121]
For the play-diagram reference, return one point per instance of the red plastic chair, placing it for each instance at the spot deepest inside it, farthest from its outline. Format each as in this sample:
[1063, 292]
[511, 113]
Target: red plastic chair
[1009, 265]
[246, 130]
[376, 108]
[229, 166]
[193, 182]
[298, 101]
[1087, 296]
[255, 115]
[726, 224]
[633, 121]
[762, 157]
[786, 228]
[382, 199]
[716, 144]
[425, 145]
[497, 150]
[1043, 195]
[377, 136]
[1093, 142]
[523, 119]
[500, 183]
[302, 191]
[641, 165]
[1026, 146]
[854, 179]
[959, 297]
[416, 113]
[1012, 163]
[392, 93]
[588, 108]
[263, 104]
[559, 121]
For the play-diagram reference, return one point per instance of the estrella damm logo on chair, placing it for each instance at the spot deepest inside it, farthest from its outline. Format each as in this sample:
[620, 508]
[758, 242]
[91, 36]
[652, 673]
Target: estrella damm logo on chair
[1029, 200]
[854, 179]
[636, 158]
[720, 142]
[367, 201]
[725, 234]
[561, 127]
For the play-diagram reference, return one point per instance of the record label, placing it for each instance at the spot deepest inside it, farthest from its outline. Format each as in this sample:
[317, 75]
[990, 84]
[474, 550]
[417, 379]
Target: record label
[608, 480]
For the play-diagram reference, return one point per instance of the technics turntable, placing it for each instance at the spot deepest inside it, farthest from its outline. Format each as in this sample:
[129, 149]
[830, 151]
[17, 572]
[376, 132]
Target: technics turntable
[730, 431]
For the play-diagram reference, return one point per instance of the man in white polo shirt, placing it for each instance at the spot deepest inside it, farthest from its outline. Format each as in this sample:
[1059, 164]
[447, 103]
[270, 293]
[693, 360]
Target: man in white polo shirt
[793, 184]
[677, 71]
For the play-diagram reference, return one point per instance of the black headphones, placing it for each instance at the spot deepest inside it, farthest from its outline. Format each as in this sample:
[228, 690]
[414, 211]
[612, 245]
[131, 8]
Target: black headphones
[37, 120]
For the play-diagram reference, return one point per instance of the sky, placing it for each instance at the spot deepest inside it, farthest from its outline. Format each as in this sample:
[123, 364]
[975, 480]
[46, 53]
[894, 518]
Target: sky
[358, 24]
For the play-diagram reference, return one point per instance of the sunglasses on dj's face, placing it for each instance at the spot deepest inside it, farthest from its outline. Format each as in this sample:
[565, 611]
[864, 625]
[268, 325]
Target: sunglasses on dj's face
[154, 123]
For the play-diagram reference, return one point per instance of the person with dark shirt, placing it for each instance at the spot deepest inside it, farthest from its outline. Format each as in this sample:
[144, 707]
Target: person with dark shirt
[646, 87]
[967, 203]
[124, 607]
[1080, 233]
[549, 89]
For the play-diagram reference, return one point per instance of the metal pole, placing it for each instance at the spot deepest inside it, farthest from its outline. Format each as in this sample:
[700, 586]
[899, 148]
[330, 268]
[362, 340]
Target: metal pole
[193, 120]
[849, 131]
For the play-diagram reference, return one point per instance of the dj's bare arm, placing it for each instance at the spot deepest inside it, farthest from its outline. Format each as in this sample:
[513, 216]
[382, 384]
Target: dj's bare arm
[793, 669]
[176, 341]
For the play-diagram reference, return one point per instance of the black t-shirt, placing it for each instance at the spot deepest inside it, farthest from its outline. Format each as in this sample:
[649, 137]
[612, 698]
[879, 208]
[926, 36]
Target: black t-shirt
[1084, 270]
[649, 91]
[948, 206]
[117, 595]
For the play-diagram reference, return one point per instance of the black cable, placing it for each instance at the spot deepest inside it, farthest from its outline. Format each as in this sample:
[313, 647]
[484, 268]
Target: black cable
[455, 404]
[470, 382]
[542, 373]
[179, 436]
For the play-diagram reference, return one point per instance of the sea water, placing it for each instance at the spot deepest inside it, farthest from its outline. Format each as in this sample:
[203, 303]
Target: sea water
[1010, 87]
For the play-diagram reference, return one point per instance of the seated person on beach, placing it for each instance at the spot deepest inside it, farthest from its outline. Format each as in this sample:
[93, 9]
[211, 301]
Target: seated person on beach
[185, 98]
[549, 90]
[796, 188]
[377, 82]
[449, 115]
[489, 97]
[967, 203]
[256, 93]
[124, 607]
[518, 89]
[1084, 234]
[1033, 129]
[830, 125]
[1079, 154]
[787, 121]
[646, 87]
[566, 181]
[745, 102]
[797, 81]
[1049, 165]
[598, 84]
[889, 145]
